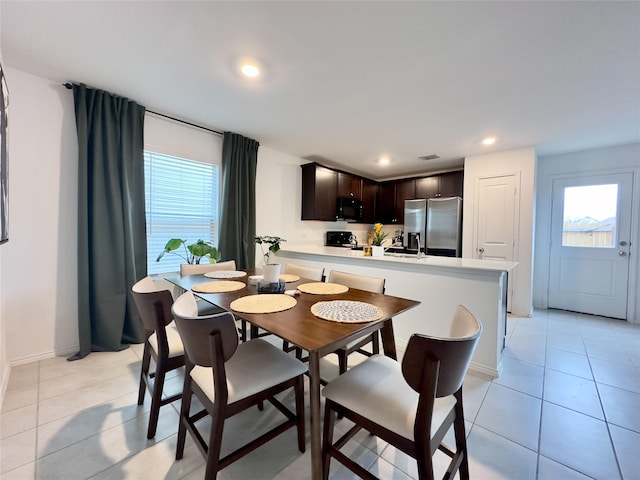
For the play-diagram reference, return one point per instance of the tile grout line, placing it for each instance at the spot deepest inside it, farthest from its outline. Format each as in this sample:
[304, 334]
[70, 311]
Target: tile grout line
[544, 378]
[606, 420]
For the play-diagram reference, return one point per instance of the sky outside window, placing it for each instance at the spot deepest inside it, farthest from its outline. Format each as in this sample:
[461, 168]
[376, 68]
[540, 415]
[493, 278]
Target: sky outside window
[589, 218]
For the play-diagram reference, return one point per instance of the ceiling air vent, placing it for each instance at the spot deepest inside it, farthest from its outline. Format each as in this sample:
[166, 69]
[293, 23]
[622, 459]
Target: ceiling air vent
[433, 156]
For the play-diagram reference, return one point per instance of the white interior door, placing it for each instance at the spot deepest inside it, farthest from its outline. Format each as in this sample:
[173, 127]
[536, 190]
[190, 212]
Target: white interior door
[496, 233]
[590, 240]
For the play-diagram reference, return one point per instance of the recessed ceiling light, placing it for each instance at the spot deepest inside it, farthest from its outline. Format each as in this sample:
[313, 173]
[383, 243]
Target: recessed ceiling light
[489, 141]
[384, 160]
[250, 70]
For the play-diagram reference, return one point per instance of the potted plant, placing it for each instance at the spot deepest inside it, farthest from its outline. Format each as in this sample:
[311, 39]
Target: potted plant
[193, 253]
[376, 237]
[270, 271]
[273, 242]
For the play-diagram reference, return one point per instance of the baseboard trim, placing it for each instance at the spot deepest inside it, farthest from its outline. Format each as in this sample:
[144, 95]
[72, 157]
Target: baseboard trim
[6, 371]
[44, 355]
[483, 371]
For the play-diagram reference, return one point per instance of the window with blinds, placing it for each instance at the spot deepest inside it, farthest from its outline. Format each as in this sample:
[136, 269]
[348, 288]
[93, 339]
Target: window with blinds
[181, 200]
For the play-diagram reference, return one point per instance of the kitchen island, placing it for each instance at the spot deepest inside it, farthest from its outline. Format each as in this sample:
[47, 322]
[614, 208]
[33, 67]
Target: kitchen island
[440, 283]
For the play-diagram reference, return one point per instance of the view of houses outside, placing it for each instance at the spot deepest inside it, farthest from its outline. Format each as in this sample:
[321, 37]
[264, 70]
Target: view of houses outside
[590, 216]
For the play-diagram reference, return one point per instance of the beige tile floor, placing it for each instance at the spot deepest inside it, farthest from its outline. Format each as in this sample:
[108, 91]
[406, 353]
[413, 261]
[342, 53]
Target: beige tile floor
[567, 406]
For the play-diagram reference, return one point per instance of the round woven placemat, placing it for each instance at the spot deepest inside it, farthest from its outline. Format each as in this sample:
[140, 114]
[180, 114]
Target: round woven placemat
[346, 311]
[225, 274]
[263, 303]
[322, 288]
[218, 286]
[289, 277]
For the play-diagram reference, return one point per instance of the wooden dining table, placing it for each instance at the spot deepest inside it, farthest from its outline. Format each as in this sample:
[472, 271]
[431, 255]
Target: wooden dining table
[303, 329]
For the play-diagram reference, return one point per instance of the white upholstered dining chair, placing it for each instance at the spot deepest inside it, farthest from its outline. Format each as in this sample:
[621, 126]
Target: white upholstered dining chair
[410, 405]
[199, 269]
[361, 282]
[202, 268]
[310, 273]
[162, 344]
[229, 377]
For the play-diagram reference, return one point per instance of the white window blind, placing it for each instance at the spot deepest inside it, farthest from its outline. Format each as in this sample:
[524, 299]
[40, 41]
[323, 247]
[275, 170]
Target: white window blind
[181, 200]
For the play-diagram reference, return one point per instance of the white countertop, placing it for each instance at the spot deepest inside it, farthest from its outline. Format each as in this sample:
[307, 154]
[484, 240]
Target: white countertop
[389, 259]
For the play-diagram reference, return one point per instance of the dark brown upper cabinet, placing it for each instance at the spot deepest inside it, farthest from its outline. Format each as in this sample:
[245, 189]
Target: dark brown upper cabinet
[452, 184]
[386, 202]
[349, 185]
[382, 201]
[391, 197]
[448, 184]
[319, 192]
[369, 200]
[405, 190]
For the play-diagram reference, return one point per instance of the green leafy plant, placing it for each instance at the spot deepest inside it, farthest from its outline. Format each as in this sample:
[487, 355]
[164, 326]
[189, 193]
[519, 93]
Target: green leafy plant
[273, 242]
[193, 253]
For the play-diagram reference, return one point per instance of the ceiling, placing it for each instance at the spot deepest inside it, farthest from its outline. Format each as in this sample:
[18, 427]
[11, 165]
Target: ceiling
[346, 82]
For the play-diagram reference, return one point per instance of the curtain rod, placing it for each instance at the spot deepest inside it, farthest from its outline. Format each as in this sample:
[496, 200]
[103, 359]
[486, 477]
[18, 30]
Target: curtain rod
[68, 86]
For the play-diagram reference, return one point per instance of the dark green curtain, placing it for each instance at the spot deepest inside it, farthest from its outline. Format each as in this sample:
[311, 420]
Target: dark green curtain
[112, 244]
[238, 212]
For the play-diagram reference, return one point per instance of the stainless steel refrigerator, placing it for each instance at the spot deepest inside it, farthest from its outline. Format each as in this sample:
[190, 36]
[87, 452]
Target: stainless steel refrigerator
[415, 219]
[444, 226]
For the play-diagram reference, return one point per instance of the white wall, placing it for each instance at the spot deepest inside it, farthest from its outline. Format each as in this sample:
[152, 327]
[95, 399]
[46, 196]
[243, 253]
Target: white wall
[605, 160]
[39, 294]
[521, 161]
[167, 136]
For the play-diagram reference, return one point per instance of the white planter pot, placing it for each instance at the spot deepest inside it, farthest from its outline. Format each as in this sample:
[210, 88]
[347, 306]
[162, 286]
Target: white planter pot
[271, 272]
[377, 251]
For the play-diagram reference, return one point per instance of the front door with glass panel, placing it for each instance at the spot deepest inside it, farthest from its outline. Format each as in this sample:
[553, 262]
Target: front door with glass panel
[590, 244]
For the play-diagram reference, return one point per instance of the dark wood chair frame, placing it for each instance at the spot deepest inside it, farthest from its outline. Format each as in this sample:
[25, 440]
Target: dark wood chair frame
[209, 341]
[433, 367]
[155, 312]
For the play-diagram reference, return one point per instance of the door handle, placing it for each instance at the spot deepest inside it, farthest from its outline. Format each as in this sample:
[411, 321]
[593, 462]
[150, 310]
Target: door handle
[622, 254]
[481, 251]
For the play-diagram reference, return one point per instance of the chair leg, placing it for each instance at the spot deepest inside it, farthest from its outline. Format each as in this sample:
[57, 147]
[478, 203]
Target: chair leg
[243, 330]
[375, 343]
[299, 393]
[342, 361]
[185, 408]
[425, 464]
[327, 439]
[461, 437]
[156, 399]
[144, 373]
[215, 442]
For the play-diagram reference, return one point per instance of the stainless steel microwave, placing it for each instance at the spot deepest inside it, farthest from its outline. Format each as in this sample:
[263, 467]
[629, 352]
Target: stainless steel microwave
[349, 209]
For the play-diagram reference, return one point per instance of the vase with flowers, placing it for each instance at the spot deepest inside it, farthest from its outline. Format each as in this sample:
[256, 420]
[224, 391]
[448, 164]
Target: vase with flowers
[270, 271]
[376, 237]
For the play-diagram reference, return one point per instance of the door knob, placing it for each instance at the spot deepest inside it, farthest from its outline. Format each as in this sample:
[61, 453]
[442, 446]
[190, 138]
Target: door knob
[622, 254]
